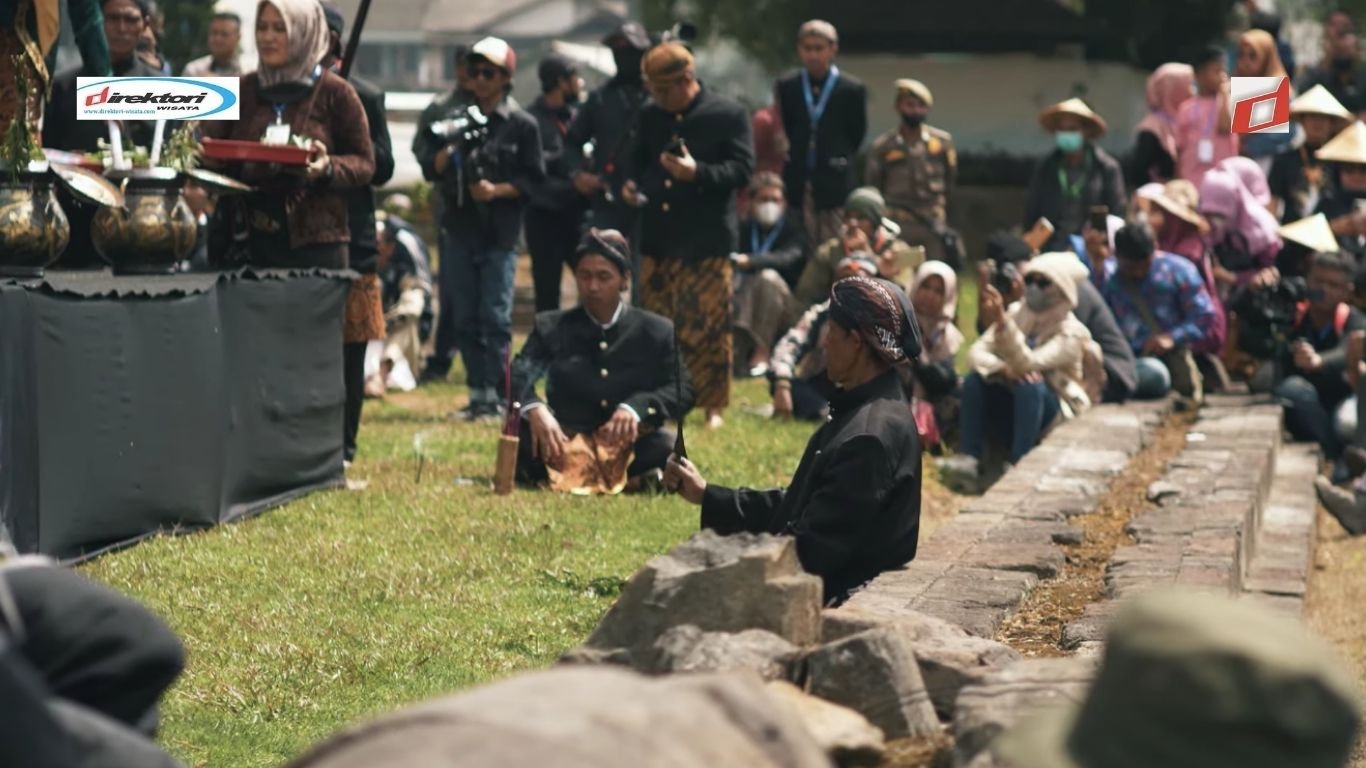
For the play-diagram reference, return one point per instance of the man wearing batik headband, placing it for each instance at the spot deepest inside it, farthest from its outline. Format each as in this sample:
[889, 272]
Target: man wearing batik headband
[694, 152]
[610, 377]
[854, 503]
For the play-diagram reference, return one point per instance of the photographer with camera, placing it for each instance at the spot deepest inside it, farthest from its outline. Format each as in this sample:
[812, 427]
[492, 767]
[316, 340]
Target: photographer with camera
[1164, 310]
[607, 125]
[488, 164]
[1310, 364]
[865, 230]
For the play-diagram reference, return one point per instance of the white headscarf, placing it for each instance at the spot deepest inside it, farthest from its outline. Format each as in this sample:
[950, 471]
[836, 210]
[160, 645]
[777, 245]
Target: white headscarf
[306, 30]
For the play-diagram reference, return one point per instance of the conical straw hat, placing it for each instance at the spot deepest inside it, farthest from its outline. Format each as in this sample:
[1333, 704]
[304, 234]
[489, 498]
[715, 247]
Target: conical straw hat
[1095, 126]
[1313, 232]
[1318, 101]
[1346, 147]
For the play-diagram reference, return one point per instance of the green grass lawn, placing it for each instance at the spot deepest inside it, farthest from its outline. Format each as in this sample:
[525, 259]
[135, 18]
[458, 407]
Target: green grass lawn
[347, 604]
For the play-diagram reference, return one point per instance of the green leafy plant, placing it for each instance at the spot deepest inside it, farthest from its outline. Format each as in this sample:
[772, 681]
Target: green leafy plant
[182, 149]
[20, 146]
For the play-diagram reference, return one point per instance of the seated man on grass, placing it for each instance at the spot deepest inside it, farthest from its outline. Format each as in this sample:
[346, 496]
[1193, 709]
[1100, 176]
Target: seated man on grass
[611, 383]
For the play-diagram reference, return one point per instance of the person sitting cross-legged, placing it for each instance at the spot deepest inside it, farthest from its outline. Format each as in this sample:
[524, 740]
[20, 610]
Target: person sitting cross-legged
[853, 505]
[612, 380]
[1164, 309]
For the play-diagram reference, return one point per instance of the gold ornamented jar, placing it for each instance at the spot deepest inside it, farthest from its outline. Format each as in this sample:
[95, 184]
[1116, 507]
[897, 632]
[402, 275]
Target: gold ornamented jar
[153, 230]
[33, 227]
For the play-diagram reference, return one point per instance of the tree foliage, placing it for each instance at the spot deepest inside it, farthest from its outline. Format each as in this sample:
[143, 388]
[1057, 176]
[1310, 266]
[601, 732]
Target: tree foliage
[765, 29]
[186, 32]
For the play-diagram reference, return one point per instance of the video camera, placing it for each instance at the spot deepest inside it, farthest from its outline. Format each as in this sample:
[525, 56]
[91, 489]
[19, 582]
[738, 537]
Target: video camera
[1266, 314]
[467, 129]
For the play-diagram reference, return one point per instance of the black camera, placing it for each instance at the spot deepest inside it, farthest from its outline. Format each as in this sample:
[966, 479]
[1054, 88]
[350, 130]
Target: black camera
[1002, 276]
[1266, 314]
[467, 129]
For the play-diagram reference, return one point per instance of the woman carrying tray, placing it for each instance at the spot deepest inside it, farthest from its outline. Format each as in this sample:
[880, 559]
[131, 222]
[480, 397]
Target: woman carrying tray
[298, 216]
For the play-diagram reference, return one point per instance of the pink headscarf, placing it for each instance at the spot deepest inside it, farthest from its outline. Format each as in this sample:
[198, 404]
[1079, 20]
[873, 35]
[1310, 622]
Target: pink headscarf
[1168, 88]
[1222, 192]
[1252, 176]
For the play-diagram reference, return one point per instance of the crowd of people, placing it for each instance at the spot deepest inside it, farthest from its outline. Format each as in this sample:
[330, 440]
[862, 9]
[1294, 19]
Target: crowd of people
[707, 243]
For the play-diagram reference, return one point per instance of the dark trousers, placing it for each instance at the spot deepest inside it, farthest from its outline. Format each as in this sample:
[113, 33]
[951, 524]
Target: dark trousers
[651, 452]
[91, 645]
[1033, 408]
[809, 397]
[1307, 416]
[353, 373]
[443, 348]
[551, 237]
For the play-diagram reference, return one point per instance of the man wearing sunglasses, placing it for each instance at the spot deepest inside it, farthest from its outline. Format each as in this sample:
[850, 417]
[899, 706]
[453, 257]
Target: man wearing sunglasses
[484, 186]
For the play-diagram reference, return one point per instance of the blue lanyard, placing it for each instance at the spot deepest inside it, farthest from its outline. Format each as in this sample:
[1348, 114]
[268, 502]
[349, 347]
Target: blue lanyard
[757, 248]
[815, 109]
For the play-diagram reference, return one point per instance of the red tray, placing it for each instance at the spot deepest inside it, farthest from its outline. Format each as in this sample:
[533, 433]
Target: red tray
[254, 152]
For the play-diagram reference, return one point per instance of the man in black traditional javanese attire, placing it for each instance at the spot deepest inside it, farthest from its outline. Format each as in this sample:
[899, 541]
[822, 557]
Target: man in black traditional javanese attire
[612, 380]
[854, 503]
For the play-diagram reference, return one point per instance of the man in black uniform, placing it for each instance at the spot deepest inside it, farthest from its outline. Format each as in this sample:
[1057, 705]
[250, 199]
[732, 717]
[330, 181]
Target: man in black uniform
[425, 146]
[607, 122]
[124, 22]
[555, 211]
[361, 218]
[609, 368]
[854, 503]
[695, 152]
[485, 185]
[825, 116]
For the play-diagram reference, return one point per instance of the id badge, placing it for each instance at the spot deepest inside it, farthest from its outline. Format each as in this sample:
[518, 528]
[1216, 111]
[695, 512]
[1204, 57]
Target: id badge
[1204, 151]
[276, 134]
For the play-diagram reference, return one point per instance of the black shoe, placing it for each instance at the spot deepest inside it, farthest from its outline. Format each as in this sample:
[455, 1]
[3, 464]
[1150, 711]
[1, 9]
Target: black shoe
[1355, 458]
[433, 374]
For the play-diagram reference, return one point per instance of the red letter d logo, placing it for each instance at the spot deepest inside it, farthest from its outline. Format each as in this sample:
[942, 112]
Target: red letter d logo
[97, 98]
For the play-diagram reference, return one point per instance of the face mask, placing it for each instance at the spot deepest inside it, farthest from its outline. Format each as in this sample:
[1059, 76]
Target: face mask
[628, 64]
[1068, 141]
[1037, 298]
[912, 121]
[767, 214]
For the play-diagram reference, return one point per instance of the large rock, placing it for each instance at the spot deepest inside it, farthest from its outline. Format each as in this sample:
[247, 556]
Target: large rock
[717, 584]
[584, 717]
[1009, 694]
[689, 649]
[845, 735]
[949, 657]
[876, 674]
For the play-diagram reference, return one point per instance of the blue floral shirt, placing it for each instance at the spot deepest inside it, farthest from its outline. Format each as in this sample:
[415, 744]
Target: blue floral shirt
[1176, 297]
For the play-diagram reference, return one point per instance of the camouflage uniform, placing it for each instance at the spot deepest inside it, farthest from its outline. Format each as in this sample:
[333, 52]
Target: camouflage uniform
[916, 178]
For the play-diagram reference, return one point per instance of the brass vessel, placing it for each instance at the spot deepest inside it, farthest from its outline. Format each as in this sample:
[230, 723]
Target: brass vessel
[33, 227]
[153, 230]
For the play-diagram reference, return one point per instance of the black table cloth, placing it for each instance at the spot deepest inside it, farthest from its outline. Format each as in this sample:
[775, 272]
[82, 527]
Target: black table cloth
[132, 405]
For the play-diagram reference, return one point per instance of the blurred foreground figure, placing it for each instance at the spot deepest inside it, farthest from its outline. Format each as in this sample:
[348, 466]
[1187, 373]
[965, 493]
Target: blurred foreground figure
[1192, 679]
[81, 671]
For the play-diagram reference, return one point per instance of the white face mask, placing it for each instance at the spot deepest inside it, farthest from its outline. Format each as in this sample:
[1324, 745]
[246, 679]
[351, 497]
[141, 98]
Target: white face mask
[767, 214]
